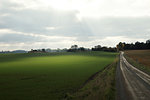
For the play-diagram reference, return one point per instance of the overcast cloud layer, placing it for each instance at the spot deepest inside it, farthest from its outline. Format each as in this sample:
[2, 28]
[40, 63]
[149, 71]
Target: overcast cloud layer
[26, 24]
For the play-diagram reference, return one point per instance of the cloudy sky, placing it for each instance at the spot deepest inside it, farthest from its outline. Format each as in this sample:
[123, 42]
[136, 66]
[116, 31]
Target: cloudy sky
[26, 24]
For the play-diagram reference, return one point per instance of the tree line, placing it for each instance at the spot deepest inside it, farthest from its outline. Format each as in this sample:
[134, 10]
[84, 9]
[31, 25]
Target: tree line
[104, 48]
[75, 48]
[133, 46]
[121, 46]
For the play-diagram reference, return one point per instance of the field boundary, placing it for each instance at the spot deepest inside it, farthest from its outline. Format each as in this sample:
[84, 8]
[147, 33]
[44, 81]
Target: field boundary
[95, 75]
[137, 65]
[101, 85]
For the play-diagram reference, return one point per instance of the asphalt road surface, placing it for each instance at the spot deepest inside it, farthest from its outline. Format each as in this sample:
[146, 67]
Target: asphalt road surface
[132, 84]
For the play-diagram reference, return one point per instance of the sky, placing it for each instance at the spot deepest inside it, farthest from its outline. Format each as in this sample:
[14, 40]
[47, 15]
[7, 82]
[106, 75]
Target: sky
[33, 24]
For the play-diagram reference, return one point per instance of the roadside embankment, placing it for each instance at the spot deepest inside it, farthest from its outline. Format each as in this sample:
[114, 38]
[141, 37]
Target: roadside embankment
[100, 87]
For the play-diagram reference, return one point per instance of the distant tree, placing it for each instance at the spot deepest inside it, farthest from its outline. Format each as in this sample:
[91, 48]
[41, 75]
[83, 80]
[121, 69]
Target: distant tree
[81, 49]
[97, 48]
[43, 50]
[100, 48]
[48, 50]
[148, 41]
[120, 46]
[74, 47]
[148, 44]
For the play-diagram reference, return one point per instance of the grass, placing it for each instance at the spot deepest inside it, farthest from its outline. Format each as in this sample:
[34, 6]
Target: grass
[100, 87]
[140, 59]
[47, 76]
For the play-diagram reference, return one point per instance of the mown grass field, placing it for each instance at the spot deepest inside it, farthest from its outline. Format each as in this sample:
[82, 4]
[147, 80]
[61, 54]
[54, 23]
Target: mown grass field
[47, 76]
[140, 59]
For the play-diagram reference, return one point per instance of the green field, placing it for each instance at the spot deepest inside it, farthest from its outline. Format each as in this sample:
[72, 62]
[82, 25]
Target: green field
[47, 76]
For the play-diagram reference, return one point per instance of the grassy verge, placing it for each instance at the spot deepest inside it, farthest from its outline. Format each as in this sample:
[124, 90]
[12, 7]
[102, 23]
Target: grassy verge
[100, 87]
[138, 65]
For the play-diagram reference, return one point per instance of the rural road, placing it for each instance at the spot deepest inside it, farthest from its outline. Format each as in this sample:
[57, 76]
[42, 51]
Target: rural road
[132, 84]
